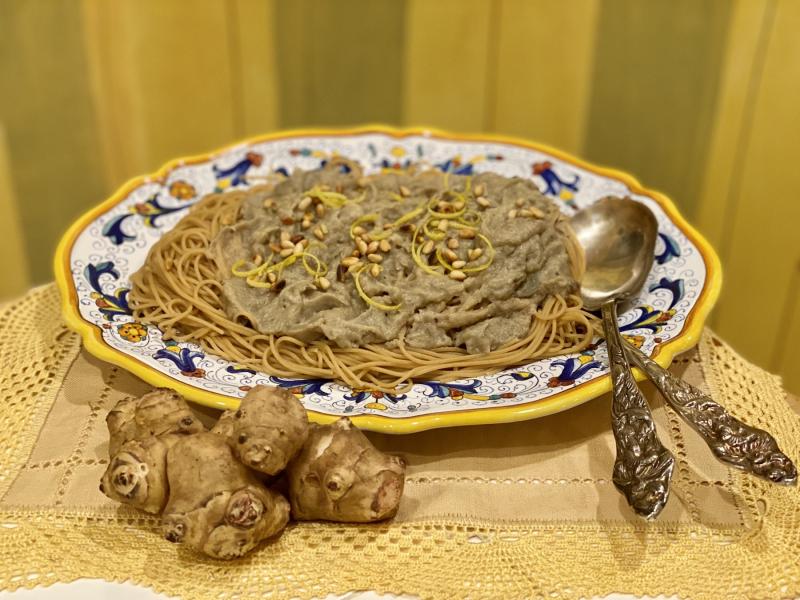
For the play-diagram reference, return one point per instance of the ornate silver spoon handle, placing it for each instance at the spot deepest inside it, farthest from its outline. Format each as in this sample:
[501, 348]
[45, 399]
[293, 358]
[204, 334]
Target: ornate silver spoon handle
[733, 442]
[643, 466]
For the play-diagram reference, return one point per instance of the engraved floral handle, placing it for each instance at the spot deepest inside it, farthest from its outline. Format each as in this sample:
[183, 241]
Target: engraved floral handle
[733, 442]
[643, 466]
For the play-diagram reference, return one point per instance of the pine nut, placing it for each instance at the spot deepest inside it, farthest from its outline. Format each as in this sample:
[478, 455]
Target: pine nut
[323, 283]
[385, 246]
[459, 264]
[452, 243]
[404, 191]
[479, 190]
[318, 233]
[428, 247]
[483, 202]
[458, 275]
[349, 261]
[304, 203]
[374, 258]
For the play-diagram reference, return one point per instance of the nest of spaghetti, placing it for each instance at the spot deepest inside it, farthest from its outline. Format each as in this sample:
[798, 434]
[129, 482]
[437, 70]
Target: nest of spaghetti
[376, 281]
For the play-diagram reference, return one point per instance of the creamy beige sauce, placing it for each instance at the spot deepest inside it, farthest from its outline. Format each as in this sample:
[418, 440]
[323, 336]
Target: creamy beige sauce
[486, 310]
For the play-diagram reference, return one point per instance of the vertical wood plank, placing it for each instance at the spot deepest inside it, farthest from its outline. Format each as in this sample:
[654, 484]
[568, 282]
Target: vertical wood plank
[544, 66]
[54, 157]
[787, 360]
[654, 90]
[254, 68]
[739, 81]
[446, 63]
[161, 76]
[764, 245]
[15, 263]
[339, 62]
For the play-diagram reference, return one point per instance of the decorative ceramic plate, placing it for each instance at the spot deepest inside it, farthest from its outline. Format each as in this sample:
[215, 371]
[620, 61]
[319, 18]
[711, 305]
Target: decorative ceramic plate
[103, 248]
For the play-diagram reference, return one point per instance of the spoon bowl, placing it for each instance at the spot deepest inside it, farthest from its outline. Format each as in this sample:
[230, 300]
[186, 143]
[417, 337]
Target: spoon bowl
[618, 236]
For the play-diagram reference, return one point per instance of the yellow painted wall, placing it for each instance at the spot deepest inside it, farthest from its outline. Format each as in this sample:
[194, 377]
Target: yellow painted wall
[695, 98]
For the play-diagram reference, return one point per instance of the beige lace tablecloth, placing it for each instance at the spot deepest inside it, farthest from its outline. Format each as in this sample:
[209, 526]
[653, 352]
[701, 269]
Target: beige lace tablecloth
[505, 511]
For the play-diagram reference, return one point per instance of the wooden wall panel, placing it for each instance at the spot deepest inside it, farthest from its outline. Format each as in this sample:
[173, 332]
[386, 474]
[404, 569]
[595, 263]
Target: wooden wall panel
[161, 77]
[745, 50]
[339, 62]
[14, 281]
[544, 65]
[654, 90]
[786, 359]
[46, 106]
[447, 64]
[254, 68]
[764, 245]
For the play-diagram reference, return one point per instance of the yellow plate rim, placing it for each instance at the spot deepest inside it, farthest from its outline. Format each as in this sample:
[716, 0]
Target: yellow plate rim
[563, 400]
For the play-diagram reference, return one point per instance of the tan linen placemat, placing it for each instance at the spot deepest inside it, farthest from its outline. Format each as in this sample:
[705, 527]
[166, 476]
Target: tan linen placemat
[505, 511]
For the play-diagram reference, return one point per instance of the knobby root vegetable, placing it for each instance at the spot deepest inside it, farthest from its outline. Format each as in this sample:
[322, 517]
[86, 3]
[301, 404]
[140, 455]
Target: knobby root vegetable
[137, 474]
[217, 505]
[267, 430]
[141, 432]
[205, 484]
[158, 412]
[340, 476]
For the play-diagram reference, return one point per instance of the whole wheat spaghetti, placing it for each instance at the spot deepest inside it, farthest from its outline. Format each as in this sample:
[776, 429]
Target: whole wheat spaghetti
[190, 286]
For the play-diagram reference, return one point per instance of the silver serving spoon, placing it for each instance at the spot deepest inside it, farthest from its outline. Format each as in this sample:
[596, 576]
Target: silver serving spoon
[619, 236]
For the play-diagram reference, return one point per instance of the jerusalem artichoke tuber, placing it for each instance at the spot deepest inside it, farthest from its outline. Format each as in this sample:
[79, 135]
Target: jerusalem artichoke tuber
[267, 430]
[216, 504]
[141, 432]
[137, 475]
[340, 476]
[156, 413]
[163, 460]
